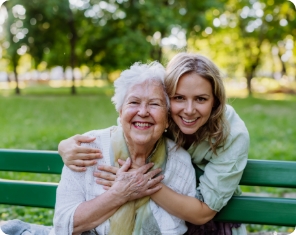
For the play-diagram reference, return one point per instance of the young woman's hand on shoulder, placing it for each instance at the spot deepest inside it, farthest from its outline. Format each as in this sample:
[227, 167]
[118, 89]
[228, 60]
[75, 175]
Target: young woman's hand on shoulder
[78, 157]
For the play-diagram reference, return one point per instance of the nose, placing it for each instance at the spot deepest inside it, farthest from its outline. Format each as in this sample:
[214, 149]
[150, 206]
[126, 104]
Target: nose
[143, 110]
[189, 108]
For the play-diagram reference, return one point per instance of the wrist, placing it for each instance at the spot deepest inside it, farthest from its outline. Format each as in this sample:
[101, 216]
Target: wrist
[118, 198]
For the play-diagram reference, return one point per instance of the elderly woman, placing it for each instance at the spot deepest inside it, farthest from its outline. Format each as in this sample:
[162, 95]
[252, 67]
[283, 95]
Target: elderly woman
[83, 205]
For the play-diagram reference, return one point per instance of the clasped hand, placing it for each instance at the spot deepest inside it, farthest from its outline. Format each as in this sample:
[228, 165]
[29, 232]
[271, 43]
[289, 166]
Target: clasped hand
[130, 180]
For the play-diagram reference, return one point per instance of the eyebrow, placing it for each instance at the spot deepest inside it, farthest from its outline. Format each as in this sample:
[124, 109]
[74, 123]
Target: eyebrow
[195, 95]
[153, 99]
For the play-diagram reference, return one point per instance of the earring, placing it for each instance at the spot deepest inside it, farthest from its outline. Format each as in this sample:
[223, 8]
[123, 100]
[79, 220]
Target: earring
[165, 130]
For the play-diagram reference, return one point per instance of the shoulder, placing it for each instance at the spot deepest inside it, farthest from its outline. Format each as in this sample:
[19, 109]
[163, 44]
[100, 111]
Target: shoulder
[102, 136]
[238, 129]
[97, 133]
[179, 152]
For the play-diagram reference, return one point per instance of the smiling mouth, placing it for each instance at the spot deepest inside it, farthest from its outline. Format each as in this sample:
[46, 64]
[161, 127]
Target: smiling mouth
[142, 124]
[189, 121]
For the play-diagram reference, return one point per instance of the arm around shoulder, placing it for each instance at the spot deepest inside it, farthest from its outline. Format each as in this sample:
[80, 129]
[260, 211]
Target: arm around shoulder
[223, 171]
[177, 195]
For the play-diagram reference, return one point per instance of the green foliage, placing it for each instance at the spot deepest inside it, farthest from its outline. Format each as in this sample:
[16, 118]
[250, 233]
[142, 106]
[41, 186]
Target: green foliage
[271, 127]
[27, 214]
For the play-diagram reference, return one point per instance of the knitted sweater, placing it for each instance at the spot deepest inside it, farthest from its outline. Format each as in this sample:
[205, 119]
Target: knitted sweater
[77, 187]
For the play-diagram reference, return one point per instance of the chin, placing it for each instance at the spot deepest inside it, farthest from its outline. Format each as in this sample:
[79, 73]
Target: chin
[189, 132]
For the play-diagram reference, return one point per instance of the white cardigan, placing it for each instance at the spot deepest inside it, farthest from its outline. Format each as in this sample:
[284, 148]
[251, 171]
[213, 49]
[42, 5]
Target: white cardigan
[77, 187]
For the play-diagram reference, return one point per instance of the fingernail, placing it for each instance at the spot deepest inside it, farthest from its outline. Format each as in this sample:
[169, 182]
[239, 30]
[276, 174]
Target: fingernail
[128, 160]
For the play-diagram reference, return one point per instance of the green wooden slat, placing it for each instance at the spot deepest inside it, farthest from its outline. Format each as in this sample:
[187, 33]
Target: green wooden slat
[267, 173]
[242, 209]
[259, 210]
[30, 161]
[28, 193]
[270, 173]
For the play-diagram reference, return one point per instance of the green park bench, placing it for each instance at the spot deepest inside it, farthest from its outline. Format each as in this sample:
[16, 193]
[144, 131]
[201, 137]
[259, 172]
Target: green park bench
[243, 209]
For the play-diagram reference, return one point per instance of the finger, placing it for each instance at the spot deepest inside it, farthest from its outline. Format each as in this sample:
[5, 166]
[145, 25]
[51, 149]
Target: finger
[104, 175]
[83, 138]
[147, 192]
[121, 162]
[104, 182]
[153, 182]
[110, 169]
[153, 190]
[145, 168]
[84, 149]
[106, 187]
[125, 166]
[87, 156]
[84, 163]
[153, 173]
[77, 168]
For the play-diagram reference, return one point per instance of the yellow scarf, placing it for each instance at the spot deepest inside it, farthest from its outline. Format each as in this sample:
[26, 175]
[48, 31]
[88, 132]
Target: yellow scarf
[135, 217]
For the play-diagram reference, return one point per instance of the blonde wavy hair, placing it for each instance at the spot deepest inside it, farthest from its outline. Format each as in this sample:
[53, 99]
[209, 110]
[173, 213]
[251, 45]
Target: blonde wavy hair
[216, 129]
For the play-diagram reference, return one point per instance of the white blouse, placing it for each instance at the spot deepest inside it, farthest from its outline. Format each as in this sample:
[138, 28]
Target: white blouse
[77, 187]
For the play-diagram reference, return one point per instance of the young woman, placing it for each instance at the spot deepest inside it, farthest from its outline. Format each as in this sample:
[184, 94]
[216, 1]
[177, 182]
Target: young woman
[211, 131]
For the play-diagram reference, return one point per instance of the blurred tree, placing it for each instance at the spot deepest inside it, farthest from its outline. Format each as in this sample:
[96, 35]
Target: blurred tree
[53, 33]
[131, 30]
[110, 35]
[15, 32]
[245, 26]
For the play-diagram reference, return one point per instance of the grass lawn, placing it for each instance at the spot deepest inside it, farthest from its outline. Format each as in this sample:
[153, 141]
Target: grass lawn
[40, 118]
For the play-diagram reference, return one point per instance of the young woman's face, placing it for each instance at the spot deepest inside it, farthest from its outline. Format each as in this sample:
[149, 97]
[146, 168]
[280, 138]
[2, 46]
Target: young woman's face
[192, 104]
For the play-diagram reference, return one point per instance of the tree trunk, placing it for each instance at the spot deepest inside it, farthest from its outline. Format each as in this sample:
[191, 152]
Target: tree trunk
[8, 78]
[159, 53]
[254, 59]
[17, 89]
[249, 85]
[284, 70]
[73, 40]
[14, 64]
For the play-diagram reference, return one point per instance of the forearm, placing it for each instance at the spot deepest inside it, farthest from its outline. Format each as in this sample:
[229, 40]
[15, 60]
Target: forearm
[90, 214]
[184, 207]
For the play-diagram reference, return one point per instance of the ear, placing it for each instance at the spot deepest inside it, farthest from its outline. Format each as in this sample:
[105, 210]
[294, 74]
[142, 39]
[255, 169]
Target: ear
[167, 124]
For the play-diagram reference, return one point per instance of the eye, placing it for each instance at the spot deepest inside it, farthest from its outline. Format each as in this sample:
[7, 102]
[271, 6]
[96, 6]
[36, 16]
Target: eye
[178, 97]
[133, 102]
[201, 99]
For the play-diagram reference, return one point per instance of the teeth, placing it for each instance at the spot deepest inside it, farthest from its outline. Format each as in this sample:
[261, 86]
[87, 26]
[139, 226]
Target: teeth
[139, 124]
[187, 120]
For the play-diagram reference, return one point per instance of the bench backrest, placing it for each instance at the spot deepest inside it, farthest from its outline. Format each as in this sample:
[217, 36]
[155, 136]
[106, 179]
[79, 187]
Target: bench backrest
[243, 209]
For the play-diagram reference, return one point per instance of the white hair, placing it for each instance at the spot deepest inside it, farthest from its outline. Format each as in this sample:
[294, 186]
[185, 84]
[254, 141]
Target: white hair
[138, 73]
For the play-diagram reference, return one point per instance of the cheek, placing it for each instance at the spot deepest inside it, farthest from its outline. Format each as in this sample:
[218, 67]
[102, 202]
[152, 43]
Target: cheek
[174, 109]
[128, 113]
[207, 110]
[162, 117]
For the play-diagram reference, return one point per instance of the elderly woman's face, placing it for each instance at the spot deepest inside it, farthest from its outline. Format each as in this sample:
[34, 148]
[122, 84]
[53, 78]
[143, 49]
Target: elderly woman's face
[144, 114]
